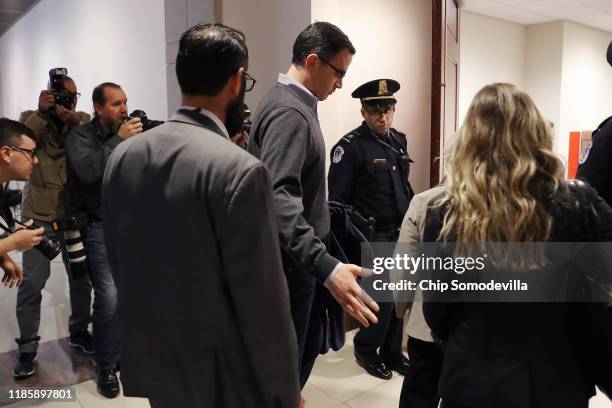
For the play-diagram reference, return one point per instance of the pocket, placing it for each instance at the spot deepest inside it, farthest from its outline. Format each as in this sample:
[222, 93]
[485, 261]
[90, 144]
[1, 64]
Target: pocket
[42, 201]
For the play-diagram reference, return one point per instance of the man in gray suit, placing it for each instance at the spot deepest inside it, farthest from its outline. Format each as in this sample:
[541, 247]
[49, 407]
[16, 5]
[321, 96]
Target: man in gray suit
[204, 306]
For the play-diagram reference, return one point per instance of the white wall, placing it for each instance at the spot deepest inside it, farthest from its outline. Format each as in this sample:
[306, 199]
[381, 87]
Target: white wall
[111, 40]
[543, 72]
[586, 85]
[179, 15]
[270, 27]
[492, 50]
[393, 41]
[560, 64]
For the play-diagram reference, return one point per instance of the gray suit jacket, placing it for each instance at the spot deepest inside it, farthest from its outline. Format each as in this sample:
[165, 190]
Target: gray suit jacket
[192, 240]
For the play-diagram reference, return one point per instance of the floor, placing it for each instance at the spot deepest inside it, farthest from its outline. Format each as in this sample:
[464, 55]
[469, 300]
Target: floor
[336, 380]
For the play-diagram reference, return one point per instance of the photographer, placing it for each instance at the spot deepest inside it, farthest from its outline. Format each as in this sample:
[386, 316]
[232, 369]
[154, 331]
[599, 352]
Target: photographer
[17, 158]
[44, 198]
[88, 148]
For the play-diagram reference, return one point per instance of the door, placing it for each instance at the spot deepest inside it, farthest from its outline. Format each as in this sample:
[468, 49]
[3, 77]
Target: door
[445, 82]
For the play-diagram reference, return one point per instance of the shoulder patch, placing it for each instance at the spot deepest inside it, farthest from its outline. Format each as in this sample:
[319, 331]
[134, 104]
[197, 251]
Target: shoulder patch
[585, 153]
[338, 153]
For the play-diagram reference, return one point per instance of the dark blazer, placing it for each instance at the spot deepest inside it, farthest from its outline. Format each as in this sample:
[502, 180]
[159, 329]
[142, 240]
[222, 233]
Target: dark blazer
[192, 240]
[528, 355]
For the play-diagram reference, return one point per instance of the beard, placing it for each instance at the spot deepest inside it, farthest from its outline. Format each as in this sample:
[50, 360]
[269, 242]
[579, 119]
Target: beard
[234, 114]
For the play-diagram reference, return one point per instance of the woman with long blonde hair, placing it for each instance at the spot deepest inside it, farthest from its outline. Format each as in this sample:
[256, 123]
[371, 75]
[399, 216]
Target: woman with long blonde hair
[505, 185]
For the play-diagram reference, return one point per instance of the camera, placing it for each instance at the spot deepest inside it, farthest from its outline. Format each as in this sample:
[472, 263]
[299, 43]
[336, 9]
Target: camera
[46, 246]
[62, 96]
[77, 257]
[146, 122]
[247, 123]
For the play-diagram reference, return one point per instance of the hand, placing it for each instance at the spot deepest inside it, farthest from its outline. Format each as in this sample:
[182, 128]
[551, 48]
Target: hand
[353, 299]
[130, 128]
[24, 239]
[302, 402]
[69, 117]
[241, 139]
[12, 272]
[46, 101]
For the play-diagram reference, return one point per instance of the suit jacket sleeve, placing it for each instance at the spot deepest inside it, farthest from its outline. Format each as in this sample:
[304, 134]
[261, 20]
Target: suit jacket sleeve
[258, 288]
[86, 157]
[284, 151]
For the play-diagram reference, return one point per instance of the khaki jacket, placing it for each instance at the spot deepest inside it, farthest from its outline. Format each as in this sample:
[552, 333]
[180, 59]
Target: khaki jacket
[412, 231]
[44, 195]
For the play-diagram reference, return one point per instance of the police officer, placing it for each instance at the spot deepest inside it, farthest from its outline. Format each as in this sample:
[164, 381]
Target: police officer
[369, 171]
[596, 159]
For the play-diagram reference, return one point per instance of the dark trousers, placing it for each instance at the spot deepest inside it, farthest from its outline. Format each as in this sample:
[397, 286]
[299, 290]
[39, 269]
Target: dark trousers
[387, 333]
[36, 272]
[104, 320]
[307, 328]
[420, 387]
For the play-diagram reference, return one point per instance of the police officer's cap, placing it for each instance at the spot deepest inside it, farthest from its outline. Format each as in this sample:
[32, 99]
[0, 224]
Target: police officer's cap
[377, 93]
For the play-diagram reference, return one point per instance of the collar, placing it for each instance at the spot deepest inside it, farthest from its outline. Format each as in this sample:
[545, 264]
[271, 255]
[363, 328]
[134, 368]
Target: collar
[287, 80]
[102, 131]
[211, 116]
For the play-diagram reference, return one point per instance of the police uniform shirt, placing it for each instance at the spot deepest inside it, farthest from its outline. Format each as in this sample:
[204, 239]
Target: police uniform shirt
[366, 172]
[596, 162]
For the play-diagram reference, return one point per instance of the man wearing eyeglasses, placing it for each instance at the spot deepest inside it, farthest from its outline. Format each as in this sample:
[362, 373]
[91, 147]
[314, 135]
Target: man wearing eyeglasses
[17, 158]
[369, 170]
[44, 200]
[204, 307]
[287, 137]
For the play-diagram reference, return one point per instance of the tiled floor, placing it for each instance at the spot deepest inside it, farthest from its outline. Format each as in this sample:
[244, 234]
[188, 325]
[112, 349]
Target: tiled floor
[336, 380]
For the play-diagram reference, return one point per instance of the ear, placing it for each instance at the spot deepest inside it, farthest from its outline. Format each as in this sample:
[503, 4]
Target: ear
[235, 81]
[311, 61]
[97, 109]
[363, 113]
[5, 154]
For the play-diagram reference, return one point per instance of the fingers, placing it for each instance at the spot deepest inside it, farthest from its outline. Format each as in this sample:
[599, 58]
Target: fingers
[371, 304]
[363, 272]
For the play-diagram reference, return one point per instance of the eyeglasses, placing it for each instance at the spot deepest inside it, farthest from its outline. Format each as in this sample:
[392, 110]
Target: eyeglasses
[250, 82]
[339, 73]
[29, 152]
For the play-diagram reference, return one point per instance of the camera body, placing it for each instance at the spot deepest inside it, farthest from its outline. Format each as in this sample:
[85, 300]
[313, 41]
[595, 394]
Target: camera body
[146, 122]
[56, 85]
[46, 246]
[247, 122]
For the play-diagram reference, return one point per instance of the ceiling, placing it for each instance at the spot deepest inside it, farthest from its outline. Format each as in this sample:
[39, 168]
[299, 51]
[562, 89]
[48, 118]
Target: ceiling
[11, 11]
[593, 13]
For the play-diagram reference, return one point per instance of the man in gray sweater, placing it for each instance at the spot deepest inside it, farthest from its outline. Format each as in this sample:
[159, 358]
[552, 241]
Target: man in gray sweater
[287, 137]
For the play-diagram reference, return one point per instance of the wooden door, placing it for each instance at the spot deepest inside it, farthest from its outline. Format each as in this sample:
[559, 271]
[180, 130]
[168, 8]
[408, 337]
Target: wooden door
[445, 81]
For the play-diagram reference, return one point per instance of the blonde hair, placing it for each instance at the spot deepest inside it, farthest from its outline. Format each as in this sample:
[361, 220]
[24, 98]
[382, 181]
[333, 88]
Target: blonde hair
[501, 171]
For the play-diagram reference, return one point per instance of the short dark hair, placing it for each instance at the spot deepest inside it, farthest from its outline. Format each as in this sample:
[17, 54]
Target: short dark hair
[321, 38]
[208, 55]
[11, 132]
[97, 96]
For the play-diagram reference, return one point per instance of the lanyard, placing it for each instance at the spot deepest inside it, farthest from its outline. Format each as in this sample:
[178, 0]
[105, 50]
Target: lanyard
[400, 152]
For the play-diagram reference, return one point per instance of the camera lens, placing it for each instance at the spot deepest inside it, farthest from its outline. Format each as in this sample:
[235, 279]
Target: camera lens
[49, 248]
